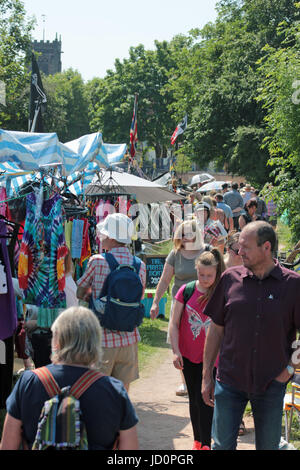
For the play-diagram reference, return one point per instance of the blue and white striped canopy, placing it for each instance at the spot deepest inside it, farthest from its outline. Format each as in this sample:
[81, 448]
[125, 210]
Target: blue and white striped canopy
[23, 155]
[33, 151]
[115, 152]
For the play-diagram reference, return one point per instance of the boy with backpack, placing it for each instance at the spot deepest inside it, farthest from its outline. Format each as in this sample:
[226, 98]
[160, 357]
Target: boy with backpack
[114, 283]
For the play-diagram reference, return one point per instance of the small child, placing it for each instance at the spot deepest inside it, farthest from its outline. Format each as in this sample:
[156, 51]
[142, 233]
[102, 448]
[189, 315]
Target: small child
[188, 332]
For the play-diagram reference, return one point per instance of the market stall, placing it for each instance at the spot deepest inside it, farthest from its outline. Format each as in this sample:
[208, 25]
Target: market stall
[52, 195]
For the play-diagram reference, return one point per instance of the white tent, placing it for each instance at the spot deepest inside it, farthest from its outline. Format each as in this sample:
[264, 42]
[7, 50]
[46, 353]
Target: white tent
[146, 192]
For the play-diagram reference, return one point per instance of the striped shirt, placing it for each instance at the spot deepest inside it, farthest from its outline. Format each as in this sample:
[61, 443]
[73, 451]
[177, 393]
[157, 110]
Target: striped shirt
[95, 274]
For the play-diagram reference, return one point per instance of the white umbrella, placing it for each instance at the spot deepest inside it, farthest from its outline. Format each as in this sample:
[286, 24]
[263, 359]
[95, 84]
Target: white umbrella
[201, 178]
[212, 186]
[145, 191]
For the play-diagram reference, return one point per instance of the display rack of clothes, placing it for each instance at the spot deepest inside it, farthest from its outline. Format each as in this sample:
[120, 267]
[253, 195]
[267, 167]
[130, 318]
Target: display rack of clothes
[78, 237]
[100, 205]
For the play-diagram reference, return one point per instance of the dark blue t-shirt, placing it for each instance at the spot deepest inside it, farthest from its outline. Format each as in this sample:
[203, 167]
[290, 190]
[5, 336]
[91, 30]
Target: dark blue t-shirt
[106, 408]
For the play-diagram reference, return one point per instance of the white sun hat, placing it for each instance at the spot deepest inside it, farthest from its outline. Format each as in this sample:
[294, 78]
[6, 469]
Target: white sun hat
[118, 227]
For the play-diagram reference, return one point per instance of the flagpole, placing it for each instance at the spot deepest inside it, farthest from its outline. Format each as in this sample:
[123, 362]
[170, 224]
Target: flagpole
[36, 113]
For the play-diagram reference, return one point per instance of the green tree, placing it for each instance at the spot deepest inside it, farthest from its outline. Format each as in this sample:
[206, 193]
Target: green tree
[217, 82]
[67, 105]
[111, 98]
[15, 40]
[279, 96]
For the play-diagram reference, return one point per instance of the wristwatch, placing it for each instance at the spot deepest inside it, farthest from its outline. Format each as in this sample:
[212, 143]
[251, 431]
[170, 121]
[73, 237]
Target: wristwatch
[290, 369]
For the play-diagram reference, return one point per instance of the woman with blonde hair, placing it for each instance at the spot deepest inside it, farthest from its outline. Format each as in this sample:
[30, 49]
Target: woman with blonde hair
[106, 409]
[180, 264]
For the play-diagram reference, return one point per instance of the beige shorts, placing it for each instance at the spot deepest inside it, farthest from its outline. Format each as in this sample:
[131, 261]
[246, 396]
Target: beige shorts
[121, 363]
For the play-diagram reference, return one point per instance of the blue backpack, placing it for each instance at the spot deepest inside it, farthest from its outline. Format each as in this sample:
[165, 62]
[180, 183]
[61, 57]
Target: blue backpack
[121, 308]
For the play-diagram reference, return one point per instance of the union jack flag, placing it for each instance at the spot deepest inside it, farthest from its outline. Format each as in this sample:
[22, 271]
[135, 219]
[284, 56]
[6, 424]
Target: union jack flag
[133, 129]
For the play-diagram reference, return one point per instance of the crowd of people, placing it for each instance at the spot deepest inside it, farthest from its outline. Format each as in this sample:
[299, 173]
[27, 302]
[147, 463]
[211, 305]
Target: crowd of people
[234, 317]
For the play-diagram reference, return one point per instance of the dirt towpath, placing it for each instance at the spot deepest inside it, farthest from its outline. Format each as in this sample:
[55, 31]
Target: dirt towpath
[164, 417]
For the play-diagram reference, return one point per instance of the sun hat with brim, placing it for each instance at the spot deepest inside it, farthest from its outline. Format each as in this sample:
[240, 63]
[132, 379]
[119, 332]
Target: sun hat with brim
[118, 227]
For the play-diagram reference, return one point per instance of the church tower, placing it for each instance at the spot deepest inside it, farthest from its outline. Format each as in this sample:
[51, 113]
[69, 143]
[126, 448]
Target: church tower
[49, 60]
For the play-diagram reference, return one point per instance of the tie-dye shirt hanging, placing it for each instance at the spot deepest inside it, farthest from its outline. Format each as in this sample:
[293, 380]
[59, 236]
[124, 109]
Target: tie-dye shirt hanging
[41, 270]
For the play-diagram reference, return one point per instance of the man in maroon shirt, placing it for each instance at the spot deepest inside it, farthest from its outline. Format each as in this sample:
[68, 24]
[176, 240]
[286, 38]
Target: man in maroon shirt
[255, 313]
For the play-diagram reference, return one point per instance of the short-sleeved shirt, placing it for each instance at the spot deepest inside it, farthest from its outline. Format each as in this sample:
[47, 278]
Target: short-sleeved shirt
[260, 320]
[94, 276]
[226, 209]
[193, 327]
[247, 196]
[234, 200]
[105, 406]
[184, 269]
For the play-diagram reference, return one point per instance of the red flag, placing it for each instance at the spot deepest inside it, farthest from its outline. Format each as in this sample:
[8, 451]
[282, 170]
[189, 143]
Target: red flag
[133, 129]
[179, 130]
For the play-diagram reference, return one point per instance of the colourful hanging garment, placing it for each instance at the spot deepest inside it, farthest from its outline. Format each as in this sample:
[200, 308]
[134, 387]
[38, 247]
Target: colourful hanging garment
[77, 235]
[41, 269]
[4, 210]
[86, 246]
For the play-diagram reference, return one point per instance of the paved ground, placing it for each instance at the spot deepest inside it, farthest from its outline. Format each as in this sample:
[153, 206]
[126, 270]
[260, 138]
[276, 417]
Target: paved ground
[164, 417]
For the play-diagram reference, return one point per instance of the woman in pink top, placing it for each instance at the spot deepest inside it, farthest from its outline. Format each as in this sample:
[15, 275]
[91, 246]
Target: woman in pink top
[188, 332]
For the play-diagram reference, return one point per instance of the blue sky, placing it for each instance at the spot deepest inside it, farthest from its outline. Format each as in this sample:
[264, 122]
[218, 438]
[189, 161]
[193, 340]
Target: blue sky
[96, 32]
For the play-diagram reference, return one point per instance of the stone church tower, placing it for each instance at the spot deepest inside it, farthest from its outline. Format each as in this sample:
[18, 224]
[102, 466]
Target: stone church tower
[49, 61]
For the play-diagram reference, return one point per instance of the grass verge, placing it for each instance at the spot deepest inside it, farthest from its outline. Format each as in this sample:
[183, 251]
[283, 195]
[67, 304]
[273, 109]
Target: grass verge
[153, 343]
[285, 242]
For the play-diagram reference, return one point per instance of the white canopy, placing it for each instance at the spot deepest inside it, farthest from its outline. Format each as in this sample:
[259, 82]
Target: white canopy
[145, 191]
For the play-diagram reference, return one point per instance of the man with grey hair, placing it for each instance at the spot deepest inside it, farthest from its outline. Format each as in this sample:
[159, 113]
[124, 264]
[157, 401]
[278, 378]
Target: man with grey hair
[255, 313]
[120, 348]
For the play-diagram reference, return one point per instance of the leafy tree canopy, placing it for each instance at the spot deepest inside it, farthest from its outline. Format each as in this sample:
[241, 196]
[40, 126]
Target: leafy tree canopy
[15, 39]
